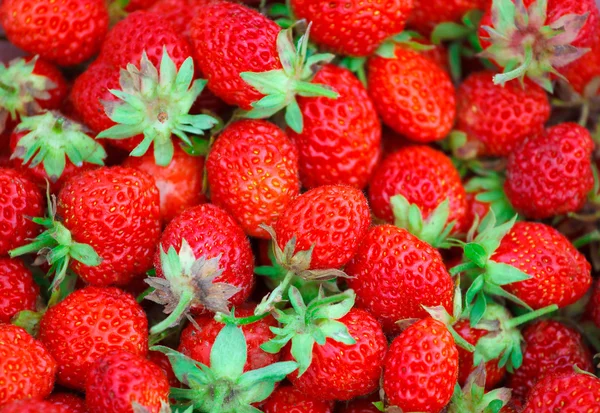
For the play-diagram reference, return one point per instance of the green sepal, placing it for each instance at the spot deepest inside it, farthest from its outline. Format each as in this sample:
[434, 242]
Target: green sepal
[228, 358]
[28, 320]
[490, 189]
[472, 398]
[357, 66]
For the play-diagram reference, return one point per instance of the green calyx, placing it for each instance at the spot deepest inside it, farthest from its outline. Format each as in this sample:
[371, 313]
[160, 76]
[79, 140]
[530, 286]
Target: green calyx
[525, 45]
[281, 86]
[223, 387]
[472, 398]
[51, 138]
[490, 189]
[155, 103]
[307, 325]
[164, 408]
[188, 281]
[20, 90]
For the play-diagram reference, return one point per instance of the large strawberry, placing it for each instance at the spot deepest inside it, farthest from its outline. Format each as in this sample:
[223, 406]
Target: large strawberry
[427, 14]
[340, 142]
[18, 291]
[65, 33]
[288, 399]
[252, 172]
[86, 325]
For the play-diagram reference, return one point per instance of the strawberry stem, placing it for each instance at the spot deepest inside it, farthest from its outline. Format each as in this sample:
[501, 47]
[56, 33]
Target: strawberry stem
[522, 319]
[185, 301]
[268, 302]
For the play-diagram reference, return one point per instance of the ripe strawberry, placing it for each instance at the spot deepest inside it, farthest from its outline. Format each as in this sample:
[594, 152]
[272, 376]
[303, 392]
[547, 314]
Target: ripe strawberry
[593, 308]
[88, 324]
[500, 117]
[18, 291]
[252, 171]
[68, 401]
[476, 207]
[66, 33]
[551, 173]
[353, 28]
[421, 367]
[559, 273]
[582, 71]
[118, 378]
[400, 89]
[427, 14]
[27, 369]
[134, 5]
[19, 199]
[32, 406]
[288, 399]
[179, 13]
[340, 142]
[550, 347]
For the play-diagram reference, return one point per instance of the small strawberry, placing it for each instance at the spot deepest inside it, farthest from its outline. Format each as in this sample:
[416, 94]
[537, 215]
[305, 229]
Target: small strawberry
[86, 325]
[27, 369]
[68, 401]
[18, 291]
[66, 33]
[32, 406]
[427, 14]
[252, 172]
[288, 399]
[118, 378]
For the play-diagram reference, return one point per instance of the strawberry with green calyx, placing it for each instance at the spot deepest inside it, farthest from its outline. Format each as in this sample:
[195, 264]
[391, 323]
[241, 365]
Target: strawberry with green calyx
[472, 398]
[223, 386]
[489, 188]
[155, 102]
[188, 281]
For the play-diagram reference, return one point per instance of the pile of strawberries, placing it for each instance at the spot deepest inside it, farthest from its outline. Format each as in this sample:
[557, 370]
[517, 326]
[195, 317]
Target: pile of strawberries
[346, 206]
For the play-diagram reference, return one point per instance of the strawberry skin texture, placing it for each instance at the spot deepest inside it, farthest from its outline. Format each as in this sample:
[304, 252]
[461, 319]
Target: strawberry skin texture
[179, 13]
[343, 372]
[229, 39]
[352, 27]
[550, 347]
[395, 274]
[18, 291]
[68, 401]
[88, 324]
[116, 211]
[252, 172]
[421, 368]
[582, 71]
[287, 399]
[162, 361]
[425, 177]
[560, 273]
[27, 370]
[19, 198]
[593, 308]
[401, 89]
[33, 406]
[551, 173]
[568, 392]
[197, 343]
[427, 14]
[500, 117]
[119, 378]
[341, 139]
[333, 217]
[211, 232]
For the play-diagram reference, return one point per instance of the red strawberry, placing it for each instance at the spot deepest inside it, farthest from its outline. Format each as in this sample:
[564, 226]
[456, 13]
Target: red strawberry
[582, 71]
[550, 347]
[427, 14]
[340, 142]
[20, 200]
[500, 117]
[421, 367]
[68, 401]
[252, 171]
[66, 33]
[593, 309]
[32, 406]
[400, 87]
[551, 173]
[179, 13]
[134, 5]
[88, 324]
[353, 28]
[162, 361]
[473, 398]
[288, 399]
[559, 273]
[118, 378]
[18, 291]
[27, 369]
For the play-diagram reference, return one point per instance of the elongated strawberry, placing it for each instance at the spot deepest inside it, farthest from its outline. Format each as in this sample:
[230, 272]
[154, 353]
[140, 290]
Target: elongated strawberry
[340, 142]
[252, 172]
[288, 399]
[18, 291]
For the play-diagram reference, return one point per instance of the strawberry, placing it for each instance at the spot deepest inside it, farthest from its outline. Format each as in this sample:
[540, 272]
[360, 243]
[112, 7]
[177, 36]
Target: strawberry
[340, 142]
[427, 14]
[288, 399]
[19, 199]
[582, 72]
[179, 13]
[32, 406]
[399, 86]
[68, 401]
[550, 347]
[593, 308]
[66, 33]
[353, 28]
[252, 172]
[18, 291]
[473, 398]
[88, 324]
[421, 367]
[500, 118]
[27, 369]
[551, 173]
[133, 5]
[162, 361]
[359, 406]
[118, 378]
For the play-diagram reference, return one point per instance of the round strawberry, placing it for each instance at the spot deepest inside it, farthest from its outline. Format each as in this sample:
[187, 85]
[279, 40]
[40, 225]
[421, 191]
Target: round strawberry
[27, 369]
[252, 171]
[118, 378]
[288, 399]
[421, 367]
[18, 291]
[68, 401]
[33, 406]
[340, 142]
[427, 14]
[401, 89]
[66, 33]
[88, 324]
